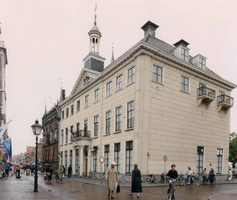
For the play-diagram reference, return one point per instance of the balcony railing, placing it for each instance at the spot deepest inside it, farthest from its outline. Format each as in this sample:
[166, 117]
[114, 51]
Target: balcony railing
[81, 134]
[205, 91]
[225, 99]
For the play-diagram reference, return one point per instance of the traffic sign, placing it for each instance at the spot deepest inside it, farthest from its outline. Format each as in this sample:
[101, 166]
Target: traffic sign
[101, 159]
[165, 158]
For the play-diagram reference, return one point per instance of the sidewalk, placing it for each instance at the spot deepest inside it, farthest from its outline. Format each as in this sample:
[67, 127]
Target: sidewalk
[128, 185]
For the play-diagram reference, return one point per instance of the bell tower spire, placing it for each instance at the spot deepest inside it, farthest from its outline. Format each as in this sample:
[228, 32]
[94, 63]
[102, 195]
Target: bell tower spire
[95, 36]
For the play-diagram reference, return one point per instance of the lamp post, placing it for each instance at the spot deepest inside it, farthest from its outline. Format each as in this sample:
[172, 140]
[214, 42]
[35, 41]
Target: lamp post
[37, 129]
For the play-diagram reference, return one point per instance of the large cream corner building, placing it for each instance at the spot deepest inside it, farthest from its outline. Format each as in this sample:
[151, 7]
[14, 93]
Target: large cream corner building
[152, 101]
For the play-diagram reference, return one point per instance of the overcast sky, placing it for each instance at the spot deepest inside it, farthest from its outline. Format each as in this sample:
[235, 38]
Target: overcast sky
[47, 40]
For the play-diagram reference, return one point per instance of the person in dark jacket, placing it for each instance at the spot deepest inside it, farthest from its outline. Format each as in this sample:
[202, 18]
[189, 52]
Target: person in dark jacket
[136, 182]
[69, 171]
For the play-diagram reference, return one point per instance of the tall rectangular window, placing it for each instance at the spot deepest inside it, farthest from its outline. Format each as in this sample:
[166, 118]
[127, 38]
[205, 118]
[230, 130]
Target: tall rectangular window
[131, 75]
[65, 160]
[62, 137]
[221, 97]
[184, 84]
[157, 74]
[129, 156]
[77, 159]
[200, 155]
[86, 101]
[219, 161]
[106, 156]
[202, 63]
[109, 89]
[72, 109]
[118, 117]
[117, 155]
[95, 159]
[96, 95]
[78, 106]
[66, 136]
[96, 125]
[78, 129]
[70, 158]
[130, 115]
[63, 114]
[184, 54]
[202, 89]
[119, 83]
[85, 128]
[67, 112]
[61, 156]
[71, 132]
[107, 122]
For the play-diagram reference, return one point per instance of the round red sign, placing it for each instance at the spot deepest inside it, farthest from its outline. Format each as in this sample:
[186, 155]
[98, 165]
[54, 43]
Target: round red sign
[101, 159]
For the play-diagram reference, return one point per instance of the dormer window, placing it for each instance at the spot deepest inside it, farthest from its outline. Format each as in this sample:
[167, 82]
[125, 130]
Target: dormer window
[202, 63]
[184, 54]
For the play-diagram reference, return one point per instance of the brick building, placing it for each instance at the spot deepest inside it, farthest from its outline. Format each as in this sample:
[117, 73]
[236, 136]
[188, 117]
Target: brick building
[50, 122]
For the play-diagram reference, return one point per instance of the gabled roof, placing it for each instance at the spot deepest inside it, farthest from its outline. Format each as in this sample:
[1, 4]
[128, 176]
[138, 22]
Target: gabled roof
[84, 72]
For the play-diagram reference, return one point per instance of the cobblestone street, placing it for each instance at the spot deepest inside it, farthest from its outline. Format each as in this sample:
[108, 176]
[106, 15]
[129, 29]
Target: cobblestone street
[13, 188]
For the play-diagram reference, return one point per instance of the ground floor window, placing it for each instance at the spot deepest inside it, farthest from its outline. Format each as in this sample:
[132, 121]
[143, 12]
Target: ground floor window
[219, 161]
[65, 160]
[129, 156]
[200, 154]
[117, 155]
[77, 158]
[95, 159]
[106, 156]
[70, 160]
[61, 158]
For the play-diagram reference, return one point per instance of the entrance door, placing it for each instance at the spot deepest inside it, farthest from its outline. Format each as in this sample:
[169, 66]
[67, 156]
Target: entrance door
[86, 167]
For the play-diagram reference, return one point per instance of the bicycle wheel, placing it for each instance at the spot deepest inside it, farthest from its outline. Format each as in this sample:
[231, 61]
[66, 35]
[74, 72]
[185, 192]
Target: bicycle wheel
[148, 180]
[144, 179]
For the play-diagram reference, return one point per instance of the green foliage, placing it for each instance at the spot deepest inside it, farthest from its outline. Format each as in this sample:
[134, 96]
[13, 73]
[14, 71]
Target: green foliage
[233, 148]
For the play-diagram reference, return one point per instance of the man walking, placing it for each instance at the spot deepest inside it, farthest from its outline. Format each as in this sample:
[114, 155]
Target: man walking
[69, 171]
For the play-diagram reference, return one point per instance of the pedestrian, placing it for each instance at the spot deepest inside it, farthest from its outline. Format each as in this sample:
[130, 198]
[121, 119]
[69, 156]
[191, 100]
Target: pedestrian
[111, 178]
[7, 167]
[69, 175]
[60, 173]
[136, 182]
[63, 171]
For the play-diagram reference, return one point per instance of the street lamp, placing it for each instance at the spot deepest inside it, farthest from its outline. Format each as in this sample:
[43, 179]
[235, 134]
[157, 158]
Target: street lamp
[37, 129]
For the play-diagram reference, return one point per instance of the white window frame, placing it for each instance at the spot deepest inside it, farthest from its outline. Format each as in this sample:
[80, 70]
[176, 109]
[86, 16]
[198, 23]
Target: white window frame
[182, 76]
[121, 75]
[87, 102]
[96, 98]
[202, 65]
[133, 74]
[185, 56]
[110, 89]
[162, 76]
[97, 125]
[110, 122]
[126, 118]
[120, 119]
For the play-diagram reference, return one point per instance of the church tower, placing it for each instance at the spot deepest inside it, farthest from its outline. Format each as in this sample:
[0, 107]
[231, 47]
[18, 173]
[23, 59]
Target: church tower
[3, 97]
[93, 60]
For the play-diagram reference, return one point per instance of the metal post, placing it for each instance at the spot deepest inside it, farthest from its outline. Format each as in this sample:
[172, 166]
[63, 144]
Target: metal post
[36, 167]
[165, 171]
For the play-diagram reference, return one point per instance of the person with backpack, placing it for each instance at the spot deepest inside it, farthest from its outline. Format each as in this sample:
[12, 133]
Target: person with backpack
[136, 182]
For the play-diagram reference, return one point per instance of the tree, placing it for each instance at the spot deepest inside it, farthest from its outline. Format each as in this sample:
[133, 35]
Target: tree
[233, 148]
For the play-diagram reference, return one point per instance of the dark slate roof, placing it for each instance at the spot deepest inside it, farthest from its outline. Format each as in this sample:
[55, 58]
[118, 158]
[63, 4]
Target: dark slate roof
[167, 48]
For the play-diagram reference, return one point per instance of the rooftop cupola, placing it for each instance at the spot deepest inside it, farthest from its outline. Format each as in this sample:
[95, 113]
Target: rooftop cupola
[95, 36]
[93, 60]
[149, 28]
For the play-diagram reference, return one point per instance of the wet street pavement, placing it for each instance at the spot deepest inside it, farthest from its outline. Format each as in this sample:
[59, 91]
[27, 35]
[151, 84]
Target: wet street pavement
[20, 189]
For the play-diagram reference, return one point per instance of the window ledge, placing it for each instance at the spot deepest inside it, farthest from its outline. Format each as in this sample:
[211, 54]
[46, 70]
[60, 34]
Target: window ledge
[119, 90]
[95, 137]
[185, 92]
[108, 96]
[116, 132]
[105, 135]
[157, 82]
[130, 84]
[96, 101]
[129, 129]
[86, 107]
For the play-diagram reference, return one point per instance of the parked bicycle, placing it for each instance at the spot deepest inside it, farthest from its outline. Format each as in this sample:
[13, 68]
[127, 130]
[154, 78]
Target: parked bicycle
[150, 178]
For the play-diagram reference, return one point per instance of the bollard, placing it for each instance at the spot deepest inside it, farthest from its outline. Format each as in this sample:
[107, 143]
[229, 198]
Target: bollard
[83, 175]
[93, 176]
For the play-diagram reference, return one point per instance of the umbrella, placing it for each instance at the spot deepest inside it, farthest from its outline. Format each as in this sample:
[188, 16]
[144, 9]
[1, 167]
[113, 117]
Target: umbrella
[47, 164]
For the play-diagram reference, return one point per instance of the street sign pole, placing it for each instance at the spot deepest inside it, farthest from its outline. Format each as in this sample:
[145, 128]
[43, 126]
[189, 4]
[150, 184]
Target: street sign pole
[101, 160]
[165, 159]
